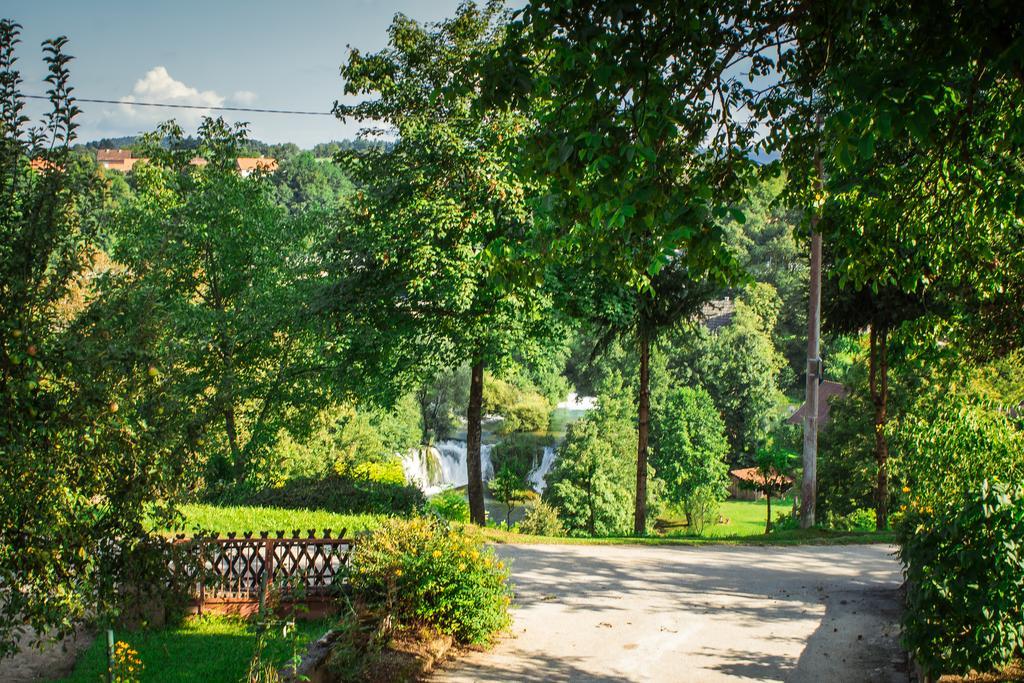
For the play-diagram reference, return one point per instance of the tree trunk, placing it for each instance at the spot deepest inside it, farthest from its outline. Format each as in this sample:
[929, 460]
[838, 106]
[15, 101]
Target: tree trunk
[591, 518]
[236, 453]
[768, 522]
[644, 415]
[474, 470]
[879, 385]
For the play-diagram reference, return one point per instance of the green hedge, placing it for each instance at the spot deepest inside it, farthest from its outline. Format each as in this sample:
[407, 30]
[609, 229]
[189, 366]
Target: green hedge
[964, 563]
[336, 493]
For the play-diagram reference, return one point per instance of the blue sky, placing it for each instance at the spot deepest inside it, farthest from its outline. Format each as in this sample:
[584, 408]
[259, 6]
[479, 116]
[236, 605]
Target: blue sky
[277, 55]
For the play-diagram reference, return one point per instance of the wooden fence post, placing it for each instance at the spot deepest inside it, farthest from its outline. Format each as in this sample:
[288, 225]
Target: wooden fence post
[268, 566]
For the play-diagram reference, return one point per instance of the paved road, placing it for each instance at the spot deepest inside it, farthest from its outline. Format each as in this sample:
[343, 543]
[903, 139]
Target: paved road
[712, 613]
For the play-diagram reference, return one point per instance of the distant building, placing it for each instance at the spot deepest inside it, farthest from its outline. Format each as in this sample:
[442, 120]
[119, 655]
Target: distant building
[42, 165]
[826, 391]
[121, 160]
[249, 165]
[115, 159]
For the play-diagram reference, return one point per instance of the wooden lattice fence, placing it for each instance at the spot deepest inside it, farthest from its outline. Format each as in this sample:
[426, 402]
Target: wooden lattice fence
[237, 574]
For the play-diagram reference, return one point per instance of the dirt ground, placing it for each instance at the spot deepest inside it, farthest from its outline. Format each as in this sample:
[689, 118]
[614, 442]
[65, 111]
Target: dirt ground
[52, 661]
[635, 613]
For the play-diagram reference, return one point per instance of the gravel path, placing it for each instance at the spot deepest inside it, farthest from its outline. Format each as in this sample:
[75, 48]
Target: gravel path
[712, 613]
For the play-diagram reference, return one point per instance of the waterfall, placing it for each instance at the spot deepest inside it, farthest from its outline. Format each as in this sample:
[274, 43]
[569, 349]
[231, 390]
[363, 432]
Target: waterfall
[423, 469]
[538, 475]
[443, 466]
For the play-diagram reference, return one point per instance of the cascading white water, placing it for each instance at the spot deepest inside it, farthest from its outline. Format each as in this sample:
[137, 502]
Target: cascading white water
[540, 473]
[423, 469]
[443, 466]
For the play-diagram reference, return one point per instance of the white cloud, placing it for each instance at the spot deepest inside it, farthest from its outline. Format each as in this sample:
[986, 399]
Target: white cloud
[159, 86]
[244, 97]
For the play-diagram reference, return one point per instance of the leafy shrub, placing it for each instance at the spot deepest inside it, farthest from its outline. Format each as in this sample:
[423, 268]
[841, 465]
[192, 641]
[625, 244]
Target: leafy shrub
[541, 520]
[450, 505]
[384, 472]
[341, 437]
[787, 521]
[531, 412]
[335, 493]
[948, 447]
[861, 519]
[965, 580]
[424, 574]
[701, 507]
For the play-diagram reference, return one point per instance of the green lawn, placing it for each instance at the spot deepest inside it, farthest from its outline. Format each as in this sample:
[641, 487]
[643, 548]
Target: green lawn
[224, 519]
[745, 526]
[208, 648]
[745, 518]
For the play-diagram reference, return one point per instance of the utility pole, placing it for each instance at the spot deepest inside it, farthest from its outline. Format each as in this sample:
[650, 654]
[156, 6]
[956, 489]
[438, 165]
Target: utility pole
[809, 487]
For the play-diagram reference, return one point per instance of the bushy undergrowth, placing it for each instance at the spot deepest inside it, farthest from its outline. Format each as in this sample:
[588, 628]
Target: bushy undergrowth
[861, 519]
[334, 493]
[420, 572]
[541, 519]
[965, 578]
[450, 505]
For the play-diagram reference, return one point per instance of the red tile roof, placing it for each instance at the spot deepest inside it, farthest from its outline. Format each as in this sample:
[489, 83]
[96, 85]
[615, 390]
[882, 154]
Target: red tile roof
[247, 165]
[753, 476]
[39, 165]
[113, 154]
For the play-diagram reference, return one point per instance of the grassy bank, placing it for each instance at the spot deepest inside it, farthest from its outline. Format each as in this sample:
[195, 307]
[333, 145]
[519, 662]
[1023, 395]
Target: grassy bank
[241, 518]
[201, 649]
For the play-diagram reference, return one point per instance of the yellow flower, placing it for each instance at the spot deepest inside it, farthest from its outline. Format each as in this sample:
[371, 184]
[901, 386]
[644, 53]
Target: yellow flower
[906, 489]
[437, 554]
[398, 572]
[462, 567]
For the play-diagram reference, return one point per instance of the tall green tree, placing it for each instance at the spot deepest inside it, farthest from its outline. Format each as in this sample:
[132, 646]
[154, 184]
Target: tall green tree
[689, 446]
[86, 455]
[639, 144]
[306, 183]
[224, 274]
[882, 311]
[739, 367]
[915, 109]
[589, 483]
[422, 264]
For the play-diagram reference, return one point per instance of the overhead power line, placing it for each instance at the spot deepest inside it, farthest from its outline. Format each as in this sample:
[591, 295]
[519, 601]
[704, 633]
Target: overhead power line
[192, 106]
